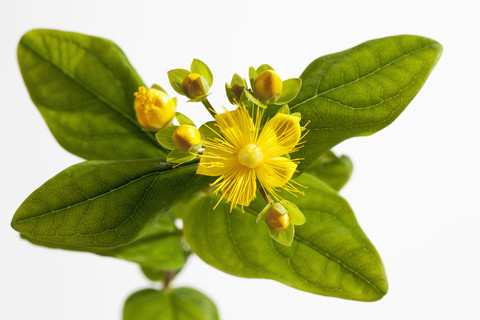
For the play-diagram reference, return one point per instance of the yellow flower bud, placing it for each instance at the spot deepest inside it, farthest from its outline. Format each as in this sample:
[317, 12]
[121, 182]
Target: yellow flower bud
[195, 85]
[277, 217]
[268, 86]
[154, 108]
[186, 136]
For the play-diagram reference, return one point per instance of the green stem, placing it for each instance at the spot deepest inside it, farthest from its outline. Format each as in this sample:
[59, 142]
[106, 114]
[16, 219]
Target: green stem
[209, 107]
[265, 195]
[169, 275]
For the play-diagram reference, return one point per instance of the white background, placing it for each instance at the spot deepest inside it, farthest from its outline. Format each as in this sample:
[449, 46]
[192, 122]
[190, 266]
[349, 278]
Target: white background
[414, 188]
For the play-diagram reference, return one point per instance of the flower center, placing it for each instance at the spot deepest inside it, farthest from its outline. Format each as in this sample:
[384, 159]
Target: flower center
[250, 156]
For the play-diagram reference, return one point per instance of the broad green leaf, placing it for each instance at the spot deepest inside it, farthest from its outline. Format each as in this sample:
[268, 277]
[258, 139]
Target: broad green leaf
[330, 255]
[334, 171]
[169, 304]
[361, 90]
[291, 87]
[104, 203]
[183, 119]
[176, 77]
[83, 86]
[200, 67]
[164, 137]
[159, 248]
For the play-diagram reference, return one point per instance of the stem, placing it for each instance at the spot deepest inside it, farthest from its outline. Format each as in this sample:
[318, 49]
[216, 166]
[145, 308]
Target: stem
[265, 195]
[209, 107]
[169, 275]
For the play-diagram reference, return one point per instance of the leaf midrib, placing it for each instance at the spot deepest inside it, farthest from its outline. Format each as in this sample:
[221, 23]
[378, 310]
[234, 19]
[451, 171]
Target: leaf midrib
[362, 77]
[87, 88]
[94, 198]
[329, 256]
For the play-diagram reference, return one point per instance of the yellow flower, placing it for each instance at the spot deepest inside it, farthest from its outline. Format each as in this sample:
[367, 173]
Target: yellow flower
[242, 155]
[154, 108]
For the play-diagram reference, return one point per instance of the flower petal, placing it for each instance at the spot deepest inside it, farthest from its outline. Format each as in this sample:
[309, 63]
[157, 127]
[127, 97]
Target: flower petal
[239, 186]
[237, 127]
[216, 162]
[280, 135]
[275, 172]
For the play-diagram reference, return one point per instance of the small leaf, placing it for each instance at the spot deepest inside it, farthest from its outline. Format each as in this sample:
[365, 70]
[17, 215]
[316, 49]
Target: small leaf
[285, 237]
[252, 74]
[284, 109]
[159, 248]
[330, 255]
[153, 274]
[157, 87]
[164, 137]
[178, 156]
[209, 130]
[97, 204]
[334, 171]
[264, 67]
[176, 77]
[199, 98]
[199, 67]
[84, 88]
[236, 79]
[262, 213]
[252, 98]
[183, 119]
[296, 216]
[174, 304]
[291, 87]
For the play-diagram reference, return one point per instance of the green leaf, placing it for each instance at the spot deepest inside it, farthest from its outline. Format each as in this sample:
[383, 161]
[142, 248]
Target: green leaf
[330, 255]
[285, 109]
[236, 79]
[153, 274]
[252, 74]
[178, 156]
[334, 171]
[209, 130]
[291, 87]
[264, 67]
[199, 98]
[285, 237]
[183, 119]
[158, 87]
[159, 248]
[164, 137]
[361, 90]
[200, 67]
[176, 77]
[104, 203]
[169, 304]
[83, 86]
[251, 97]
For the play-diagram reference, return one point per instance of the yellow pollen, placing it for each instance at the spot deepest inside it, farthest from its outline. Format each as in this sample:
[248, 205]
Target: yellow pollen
[250, 156]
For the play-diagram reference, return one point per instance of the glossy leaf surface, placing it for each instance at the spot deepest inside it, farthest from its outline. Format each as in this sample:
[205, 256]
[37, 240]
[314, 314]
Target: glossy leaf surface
[361, 90]
[160, 247]
[104, 203]
[330, 255]
[172, 304]
[84, 88]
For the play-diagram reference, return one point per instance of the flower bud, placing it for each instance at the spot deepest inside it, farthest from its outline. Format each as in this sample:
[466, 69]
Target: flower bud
[186, 136]
[277, 217]
[154, 109]
[195, 85]
[268, 86]
[237, 90]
